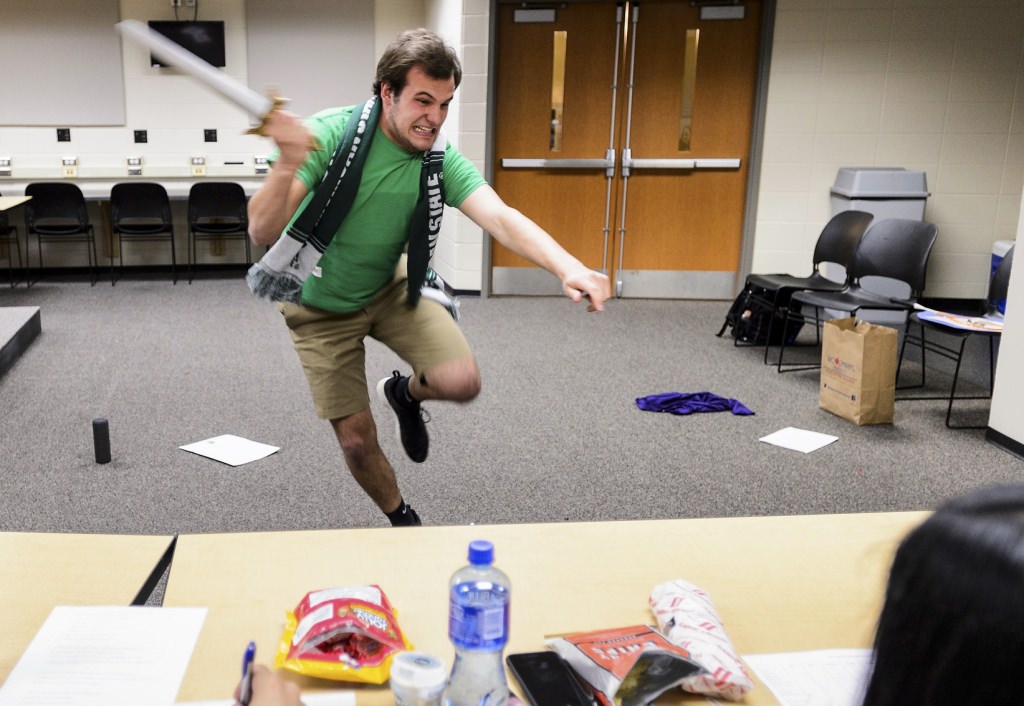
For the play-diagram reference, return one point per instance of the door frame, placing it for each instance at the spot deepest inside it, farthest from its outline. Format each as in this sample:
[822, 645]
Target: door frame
[756, 133]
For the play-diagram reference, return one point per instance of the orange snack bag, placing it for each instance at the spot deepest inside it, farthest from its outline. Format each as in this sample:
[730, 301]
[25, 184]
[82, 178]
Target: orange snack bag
[347, 634]
[627, 666]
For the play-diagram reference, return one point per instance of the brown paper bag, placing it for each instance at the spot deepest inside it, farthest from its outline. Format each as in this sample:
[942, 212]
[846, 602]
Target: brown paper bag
[858, 371]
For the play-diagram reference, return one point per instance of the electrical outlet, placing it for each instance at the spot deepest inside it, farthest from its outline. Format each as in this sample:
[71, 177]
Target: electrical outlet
[198, 170]
[69, 170]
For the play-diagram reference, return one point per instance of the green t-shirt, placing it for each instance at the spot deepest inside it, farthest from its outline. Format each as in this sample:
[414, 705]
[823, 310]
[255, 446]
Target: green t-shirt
[363, 254]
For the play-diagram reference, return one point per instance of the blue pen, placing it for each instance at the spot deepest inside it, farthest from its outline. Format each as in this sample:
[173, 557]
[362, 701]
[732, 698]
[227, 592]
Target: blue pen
[245, 693]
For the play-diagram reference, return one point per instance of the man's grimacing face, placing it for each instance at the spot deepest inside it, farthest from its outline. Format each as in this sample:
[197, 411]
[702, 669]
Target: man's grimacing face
[413, 117]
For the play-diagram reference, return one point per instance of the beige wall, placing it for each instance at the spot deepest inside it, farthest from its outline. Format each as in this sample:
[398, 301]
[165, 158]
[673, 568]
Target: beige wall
[464, 24]
[393, 16]
[930, 85]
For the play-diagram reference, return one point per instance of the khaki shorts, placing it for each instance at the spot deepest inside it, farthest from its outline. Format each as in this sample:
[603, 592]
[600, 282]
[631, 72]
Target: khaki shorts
[333, 355]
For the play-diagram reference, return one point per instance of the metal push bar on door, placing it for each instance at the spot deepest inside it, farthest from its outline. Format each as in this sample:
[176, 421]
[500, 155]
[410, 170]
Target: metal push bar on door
[628, 163]
[607, 164]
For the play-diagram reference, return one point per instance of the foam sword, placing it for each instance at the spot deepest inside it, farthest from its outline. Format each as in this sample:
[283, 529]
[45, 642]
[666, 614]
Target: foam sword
[256, 104]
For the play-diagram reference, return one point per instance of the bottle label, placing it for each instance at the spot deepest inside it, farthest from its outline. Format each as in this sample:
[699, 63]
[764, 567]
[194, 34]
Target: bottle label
[478, 615]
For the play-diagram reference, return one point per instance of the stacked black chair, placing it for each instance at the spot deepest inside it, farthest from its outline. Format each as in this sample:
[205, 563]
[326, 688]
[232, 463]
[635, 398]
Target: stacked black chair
[217, 210]
[983, 309]
[141, 211]
[771, 292]
[57, 214]
[893, 248]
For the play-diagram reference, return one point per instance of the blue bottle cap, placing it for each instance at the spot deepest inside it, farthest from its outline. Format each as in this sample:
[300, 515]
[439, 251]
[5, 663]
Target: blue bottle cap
[481, 552]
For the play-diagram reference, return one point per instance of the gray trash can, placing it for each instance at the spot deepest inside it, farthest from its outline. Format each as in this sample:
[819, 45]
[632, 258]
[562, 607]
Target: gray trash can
[886, 192]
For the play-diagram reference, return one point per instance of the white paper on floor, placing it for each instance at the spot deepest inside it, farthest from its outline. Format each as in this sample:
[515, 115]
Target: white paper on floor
[230, 449]
[799, 439]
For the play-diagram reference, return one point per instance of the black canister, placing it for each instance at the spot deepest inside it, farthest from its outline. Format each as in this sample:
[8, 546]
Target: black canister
[101, 439]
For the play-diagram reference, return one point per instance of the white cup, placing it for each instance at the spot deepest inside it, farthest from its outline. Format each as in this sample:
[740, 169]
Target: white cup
[418, 679]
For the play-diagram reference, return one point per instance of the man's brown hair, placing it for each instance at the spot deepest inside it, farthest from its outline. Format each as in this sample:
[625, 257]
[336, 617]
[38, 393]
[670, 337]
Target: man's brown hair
[416, 47]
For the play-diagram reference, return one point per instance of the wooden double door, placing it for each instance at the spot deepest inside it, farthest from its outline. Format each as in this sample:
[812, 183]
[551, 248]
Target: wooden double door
[624, 129]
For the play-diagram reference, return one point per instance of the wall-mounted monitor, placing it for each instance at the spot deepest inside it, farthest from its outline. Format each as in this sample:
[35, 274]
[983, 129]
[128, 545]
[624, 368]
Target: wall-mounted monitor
[204, 38]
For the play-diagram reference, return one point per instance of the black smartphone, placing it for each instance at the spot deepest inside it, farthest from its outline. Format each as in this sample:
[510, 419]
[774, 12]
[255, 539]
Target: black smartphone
[547, 680]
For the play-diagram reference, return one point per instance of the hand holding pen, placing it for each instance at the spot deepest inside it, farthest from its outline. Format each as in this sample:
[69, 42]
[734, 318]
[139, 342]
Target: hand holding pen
[245, 688]
[262, 687]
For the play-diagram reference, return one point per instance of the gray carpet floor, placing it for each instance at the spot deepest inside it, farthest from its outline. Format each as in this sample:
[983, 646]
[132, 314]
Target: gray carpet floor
[555, 434]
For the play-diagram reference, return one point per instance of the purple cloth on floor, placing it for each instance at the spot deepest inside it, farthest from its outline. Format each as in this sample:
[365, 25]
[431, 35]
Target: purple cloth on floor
[690, 402]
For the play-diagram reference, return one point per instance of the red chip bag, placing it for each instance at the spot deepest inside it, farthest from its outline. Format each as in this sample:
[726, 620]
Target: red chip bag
[347, 634]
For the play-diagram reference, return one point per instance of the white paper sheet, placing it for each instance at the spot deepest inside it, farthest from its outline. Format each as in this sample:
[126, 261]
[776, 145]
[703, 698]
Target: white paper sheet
[317, 698]
[990, 323]
[799, 439]
[105, 656]
[230, 449]
[815, 678]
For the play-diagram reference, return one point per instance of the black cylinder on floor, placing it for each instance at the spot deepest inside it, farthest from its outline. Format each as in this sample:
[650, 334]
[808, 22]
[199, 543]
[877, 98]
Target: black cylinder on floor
[101, 439]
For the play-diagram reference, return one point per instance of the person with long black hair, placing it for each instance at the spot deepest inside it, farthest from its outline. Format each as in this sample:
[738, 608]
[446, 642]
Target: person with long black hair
[951, 630]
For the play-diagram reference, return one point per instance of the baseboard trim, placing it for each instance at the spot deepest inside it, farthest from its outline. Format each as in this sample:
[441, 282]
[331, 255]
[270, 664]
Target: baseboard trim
[1006, 443]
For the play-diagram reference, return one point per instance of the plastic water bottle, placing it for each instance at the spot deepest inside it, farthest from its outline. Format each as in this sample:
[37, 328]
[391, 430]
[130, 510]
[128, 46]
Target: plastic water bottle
[478, 611]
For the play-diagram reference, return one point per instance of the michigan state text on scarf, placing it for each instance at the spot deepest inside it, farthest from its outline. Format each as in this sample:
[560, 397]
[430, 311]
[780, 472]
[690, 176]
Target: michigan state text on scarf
[279, 274]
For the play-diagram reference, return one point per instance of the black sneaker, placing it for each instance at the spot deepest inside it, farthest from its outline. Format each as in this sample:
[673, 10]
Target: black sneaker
[411, 420]
[414, 519]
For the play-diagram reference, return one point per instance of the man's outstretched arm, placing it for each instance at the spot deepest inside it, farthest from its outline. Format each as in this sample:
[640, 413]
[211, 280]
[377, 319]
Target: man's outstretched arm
[524, 237]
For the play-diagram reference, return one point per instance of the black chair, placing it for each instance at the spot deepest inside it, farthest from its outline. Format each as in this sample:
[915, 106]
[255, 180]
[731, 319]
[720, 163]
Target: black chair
[893, 248]
[9, 236]
[982, 309]
[57, 214]
[771, 292]
[141, 211]
[216, 211]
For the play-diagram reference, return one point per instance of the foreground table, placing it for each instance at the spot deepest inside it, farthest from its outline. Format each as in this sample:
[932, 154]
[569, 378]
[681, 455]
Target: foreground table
[779, 583]
[39, 571]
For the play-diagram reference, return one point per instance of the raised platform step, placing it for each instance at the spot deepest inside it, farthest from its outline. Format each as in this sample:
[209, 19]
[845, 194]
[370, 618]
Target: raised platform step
[19, 326]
